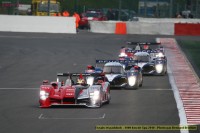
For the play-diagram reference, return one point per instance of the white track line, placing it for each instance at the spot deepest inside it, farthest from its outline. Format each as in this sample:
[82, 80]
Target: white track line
[155, 89]
[25, 37]
[42, 117]
[19, 88]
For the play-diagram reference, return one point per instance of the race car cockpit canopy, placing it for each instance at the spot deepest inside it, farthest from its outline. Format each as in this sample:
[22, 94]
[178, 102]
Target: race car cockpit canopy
[142, 56]
[113, 68]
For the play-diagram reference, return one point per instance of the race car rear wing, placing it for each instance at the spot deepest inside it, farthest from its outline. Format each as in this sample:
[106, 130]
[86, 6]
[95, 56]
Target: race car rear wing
[70, 79]
[143, 43]
[73, 74]
[70, 75]
[148, 51]
[120, 61]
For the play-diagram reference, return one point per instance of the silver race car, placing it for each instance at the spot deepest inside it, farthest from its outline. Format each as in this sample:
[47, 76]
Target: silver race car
[120, 75]
[150, 57]
[151, 63]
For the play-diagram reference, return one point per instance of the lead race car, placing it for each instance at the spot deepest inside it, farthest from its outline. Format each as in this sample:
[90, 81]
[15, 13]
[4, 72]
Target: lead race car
[90, 90]
[120, 75]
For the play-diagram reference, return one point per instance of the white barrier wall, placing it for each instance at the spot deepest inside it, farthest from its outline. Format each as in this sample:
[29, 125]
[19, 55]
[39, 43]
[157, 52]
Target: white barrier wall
[160, 26]
[155, 28]
[103, 26]
[45, 24]
[171, 20]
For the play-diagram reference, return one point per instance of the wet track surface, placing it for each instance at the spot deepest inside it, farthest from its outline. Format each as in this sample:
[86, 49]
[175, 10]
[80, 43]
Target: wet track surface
[27, 59]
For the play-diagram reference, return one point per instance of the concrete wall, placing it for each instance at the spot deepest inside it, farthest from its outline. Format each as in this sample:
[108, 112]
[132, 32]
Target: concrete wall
[166, 20]
[51, 24]
[155, 28]
[46, 24]
[164, 26]
[103, 26]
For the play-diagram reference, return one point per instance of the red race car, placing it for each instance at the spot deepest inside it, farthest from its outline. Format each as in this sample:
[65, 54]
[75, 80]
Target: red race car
[90, 90]
[91, 15]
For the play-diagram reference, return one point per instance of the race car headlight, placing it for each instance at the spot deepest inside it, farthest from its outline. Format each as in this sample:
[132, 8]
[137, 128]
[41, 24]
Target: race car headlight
[90, 80]
[160, 54]
[124, 66]
[122, 55]
[43, 95]
[131, 80]
[95, 95]
[159, 68]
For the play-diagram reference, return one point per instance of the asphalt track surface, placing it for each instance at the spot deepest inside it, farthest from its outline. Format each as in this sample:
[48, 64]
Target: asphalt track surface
[28, 58]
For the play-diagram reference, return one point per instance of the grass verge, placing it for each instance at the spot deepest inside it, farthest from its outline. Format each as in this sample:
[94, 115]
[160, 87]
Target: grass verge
[192, 51]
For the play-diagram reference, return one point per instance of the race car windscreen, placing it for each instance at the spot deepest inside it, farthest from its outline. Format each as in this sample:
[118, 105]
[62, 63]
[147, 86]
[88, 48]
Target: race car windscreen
[132, 73]
[113, 69]
[143, 58]
[153, 55]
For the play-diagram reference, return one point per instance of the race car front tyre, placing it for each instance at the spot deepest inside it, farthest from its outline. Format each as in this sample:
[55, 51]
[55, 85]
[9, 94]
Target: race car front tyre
[108, 98]
[140, 85]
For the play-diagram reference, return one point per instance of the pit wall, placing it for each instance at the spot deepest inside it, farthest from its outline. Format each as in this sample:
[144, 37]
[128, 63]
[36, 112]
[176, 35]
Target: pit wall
[45, 24]
[148, 26]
